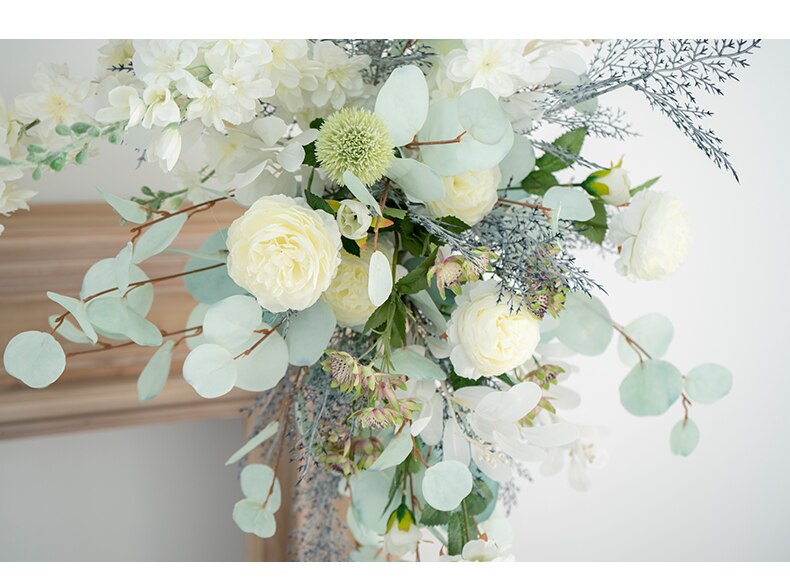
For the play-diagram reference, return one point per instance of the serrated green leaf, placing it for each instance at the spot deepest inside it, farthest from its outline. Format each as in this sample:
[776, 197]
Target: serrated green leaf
[538, 182]
[433, 517]
[318, 203]
[570, 142]
[594, 229]
[645, 185]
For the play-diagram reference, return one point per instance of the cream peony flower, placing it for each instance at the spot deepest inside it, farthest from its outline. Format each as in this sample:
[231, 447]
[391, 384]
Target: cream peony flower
[283, 252]
[348, 293]
[469, 196]
[486, 337]
[653, 235]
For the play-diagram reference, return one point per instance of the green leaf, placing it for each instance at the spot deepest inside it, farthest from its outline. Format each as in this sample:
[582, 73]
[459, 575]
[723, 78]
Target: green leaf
[453, 224]
[433, 517]
[684, 438]
[419, 182]
[211, 370]
[594, 229]
[214, 285]
[571, 142]
[256, 484]
[115, 315]
[538, 182]
[265, 366]
[379, 316]
[457, 381]
[128, 210]
[402, 103]
[267, 432]
[424, 302]
[232, 320]
[479, 498]
[318, 203]
[155, 373]
[361, 192]
[252, 518]
[645, 185]
[518, 163]
[651, 388]
[35, 358]
[309, 332]
[652, 332]
[68, 330]
[158, 237]
[415, 366]
[77, 309]
[482, 116]
[460, 530]
[350, 246]
[395, 452]
[213, 256]
[708, 383]
[584, 325]
[417, 279]
[569, 203]
[446, 484]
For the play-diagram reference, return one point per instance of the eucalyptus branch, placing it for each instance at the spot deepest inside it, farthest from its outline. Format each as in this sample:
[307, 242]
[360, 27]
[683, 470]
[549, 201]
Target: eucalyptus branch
[189, 332]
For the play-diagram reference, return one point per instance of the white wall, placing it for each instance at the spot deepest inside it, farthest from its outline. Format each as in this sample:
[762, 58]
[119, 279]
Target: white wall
[728, 501]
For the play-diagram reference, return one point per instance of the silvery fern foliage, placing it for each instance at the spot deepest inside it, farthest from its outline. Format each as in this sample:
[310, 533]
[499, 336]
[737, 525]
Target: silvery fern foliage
[388, 54]
[671, 74]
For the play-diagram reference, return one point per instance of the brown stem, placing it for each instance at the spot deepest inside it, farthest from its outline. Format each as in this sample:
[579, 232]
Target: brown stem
[106, 347]
[686, 403]
[137, 230]
[630, 341]
[382, 203]
[417, 144]
[266, 334]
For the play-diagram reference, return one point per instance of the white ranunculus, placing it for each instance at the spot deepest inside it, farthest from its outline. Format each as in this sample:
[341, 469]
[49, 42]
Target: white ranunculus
[618, 186]
[469, 196]
[283, 252]
[486, 337]
[653, 235]
[353, 219]
[348, 293]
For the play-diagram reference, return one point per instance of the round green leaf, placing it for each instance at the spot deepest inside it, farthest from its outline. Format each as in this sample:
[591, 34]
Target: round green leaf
[256, 483]
[309, 332]
[123, 263]
[584, 325]
[232, 320]
[442, 124]
[423, 301]
[415, 366]
[213, 285]
[68, 330]
[396, 451]
[418, 181]
[568, 203]
[482, 116]
[155, 373]
[684, 438]
[158, 237]
[265, 366]
[196, 319]
[652, 332]
[211, 370]
[476, 156]
[369, 496]
[651, 388]
[251, 517]
[403, 103]
[35, 358]
[267, 432]
[708, 383]
[446, 484]
[518, 163]
[115, 315]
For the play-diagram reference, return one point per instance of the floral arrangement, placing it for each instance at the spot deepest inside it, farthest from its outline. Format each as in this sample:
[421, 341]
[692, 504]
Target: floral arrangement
[399, 290]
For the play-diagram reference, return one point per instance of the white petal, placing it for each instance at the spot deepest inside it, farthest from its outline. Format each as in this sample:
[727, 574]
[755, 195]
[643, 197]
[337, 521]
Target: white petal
[379, 278]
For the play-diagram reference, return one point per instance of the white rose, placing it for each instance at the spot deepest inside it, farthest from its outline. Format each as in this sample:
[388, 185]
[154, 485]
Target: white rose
[353, 219]
[653, 235]
[348, 293]
[618, 185]
[283, 252]
[486, 337]
[469, 196]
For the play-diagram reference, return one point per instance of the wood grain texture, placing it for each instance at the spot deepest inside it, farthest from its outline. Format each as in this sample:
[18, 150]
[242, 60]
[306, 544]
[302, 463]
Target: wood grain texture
[50, 249]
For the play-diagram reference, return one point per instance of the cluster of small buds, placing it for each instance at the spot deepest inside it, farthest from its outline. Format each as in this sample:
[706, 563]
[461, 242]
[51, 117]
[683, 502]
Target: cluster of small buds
[453, 270]
[544, 376]
[376, 390]
[350, 455]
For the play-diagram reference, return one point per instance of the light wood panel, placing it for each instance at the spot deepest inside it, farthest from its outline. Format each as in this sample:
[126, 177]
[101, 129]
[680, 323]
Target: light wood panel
[49, 249]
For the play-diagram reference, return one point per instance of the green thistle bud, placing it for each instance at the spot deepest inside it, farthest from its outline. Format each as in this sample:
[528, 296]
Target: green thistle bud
[357, 141]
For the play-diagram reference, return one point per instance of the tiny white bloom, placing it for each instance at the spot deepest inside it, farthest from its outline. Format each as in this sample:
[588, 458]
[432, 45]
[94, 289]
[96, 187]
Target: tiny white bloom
[125, 104]
[167, 146]
[162, 61]
[161, 109]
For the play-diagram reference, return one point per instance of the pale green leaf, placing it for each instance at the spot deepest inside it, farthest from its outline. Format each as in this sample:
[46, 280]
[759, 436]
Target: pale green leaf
[584, 325]
[78, 311]
[35, 358]
[403, 103]
[213, 285]
[211, 370]
[708, 383]
[568, 203]
[446, 484]
[158, 237]
[154, 376]
[68, 330]
[251, 517]
[361, 192]
[651, 388]
[115, 315]
[415, 366]
[684, 438]
[232, 320]
[128, 210]
[265, 366]
[651, 332]
[259, 483]
[379, 278]
[267, 432]
[418, 181]
[518, 163]
[395, 452]
[213, 256]
[309, 332]
[482, 116]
